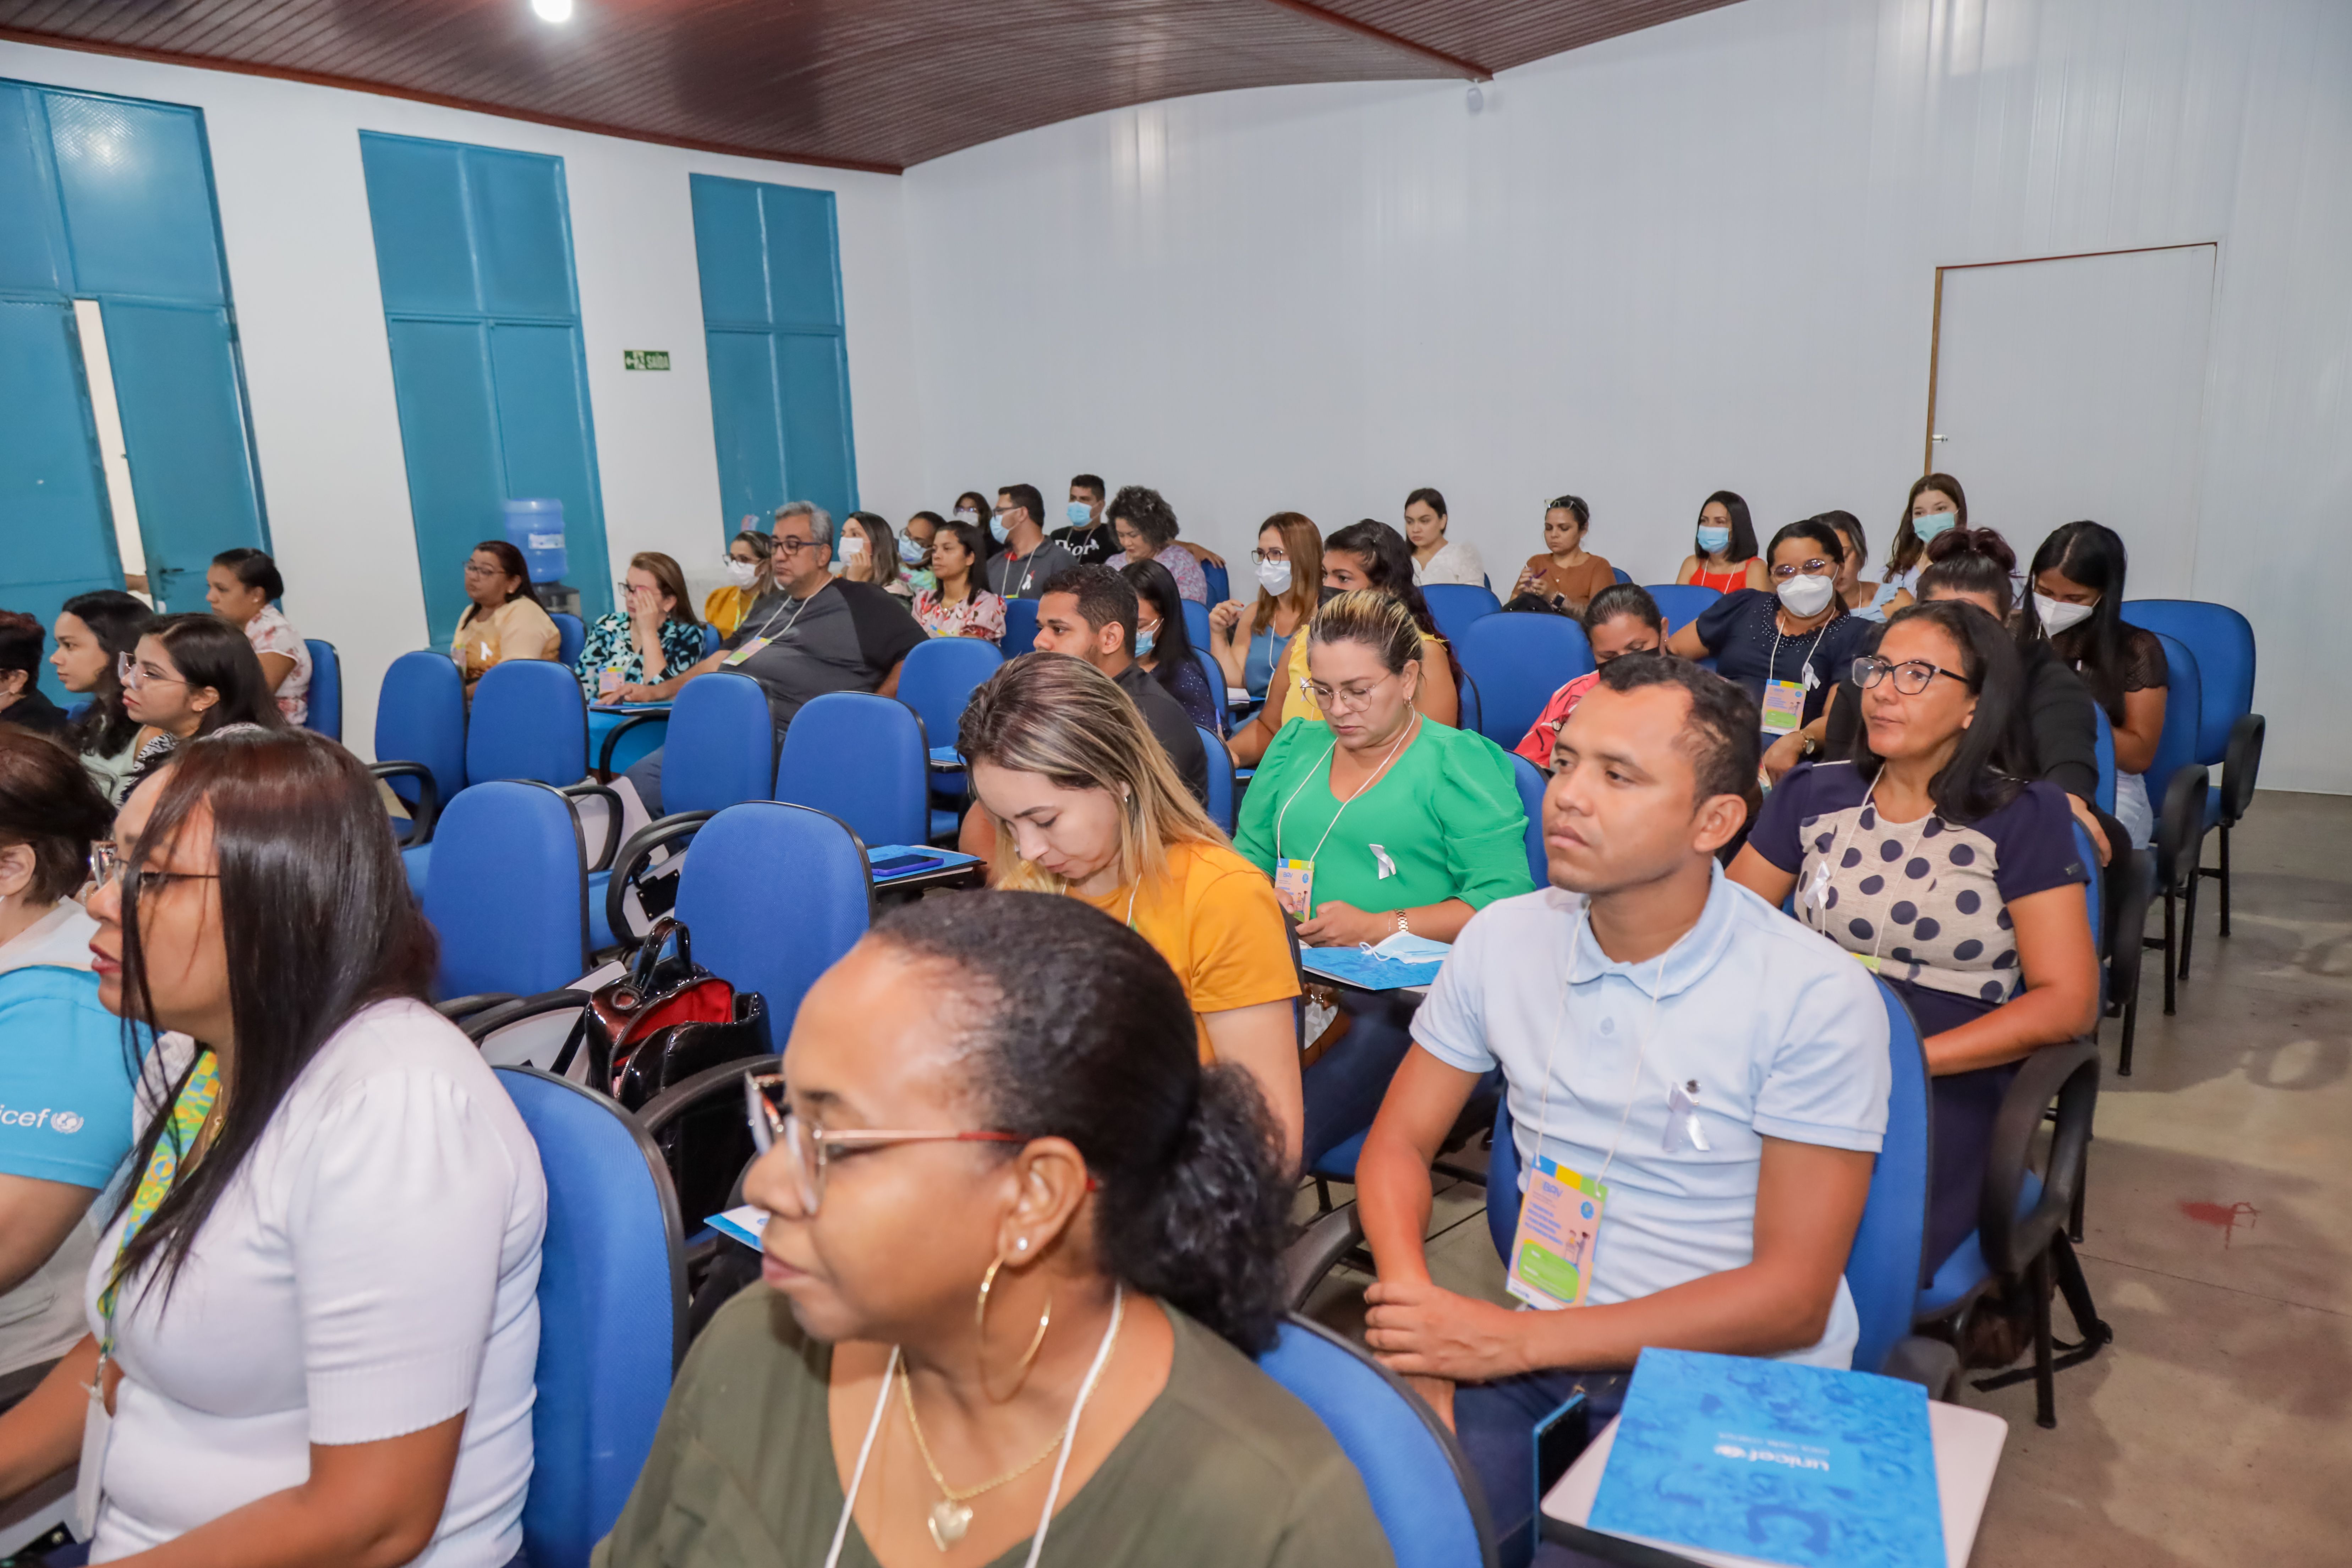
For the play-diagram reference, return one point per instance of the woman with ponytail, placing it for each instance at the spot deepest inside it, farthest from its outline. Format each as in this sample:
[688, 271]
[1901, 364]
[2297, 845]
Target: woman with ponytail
[1022, 1244]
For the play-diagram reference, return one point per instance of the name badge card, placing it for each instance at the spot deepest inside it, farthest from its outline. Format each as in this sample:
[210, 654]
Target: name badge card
[1293, 886]
[1559, 1224]
[608, 682]
[1784, 708]
[746, 651]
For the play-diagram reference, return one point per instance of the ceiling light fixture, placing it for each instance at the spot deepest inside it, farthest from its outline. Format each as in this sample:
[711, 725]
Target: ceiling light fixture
[551, 10]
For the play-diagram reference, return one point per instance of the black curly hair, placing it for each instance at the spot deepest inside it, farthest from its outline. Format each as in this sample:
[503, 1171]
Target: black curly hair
[1079, 1030]
[1147, 511]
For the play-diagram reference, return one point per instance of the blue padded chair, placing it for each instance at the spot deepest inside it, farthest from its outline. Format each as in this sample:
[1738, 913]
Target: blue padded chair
[861, 758]
[1454, 606]
[2102, 794]
[571, 635]
[612, 1313]
[711, 640]
[1532, 784]
[751, 861]
[1221, 586]
[1518, 662]
[1020, 627]
[1473, 709]
[506, 892]
[1196, 623]
[1221, 780]
[1215, 673]
[1681, 603]
[530, 722]
[2229, 731]
[420, 734]
[937, 682]
[326, 689]
[1623, 576]
[1422, 1490]
[2179, 787]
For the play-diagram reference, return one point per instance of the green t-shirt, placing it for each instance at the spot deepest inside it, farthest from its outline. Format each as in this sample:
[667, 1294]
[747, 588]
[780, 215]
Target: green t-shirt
[1447, 814]
[1224, 1470]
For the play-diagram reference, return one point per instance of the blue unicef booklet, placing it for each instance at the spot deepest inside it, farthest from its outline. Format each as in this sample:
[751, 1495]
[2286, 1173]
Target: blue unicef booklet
[1767, 1459]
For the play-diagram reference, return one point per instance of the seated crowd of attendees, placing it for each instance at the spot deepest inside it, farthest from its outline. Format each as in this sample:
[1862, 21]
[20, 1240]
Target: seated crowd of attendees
[280, 1216]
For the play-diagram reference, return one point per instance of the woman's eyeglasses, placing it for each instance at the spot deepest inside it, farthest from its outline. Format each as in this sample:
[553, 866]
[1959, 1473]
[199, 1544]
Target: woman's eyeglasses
[1343, 699]
[108, 864]
[132, 675]
[1263, 556]
[1910, 678]
[1816, 567]
[773, 1121]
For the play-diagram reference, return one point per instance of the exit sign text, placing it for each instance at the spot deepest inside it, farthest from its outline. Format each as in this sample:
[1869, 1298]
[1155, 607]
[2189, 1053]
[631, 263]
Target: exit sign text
[645, 359]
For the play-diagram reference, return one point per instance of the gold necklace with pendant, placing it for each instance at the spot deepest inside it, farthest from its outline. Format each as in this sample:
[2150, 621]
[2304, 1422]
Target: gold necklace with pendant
[951, 1515]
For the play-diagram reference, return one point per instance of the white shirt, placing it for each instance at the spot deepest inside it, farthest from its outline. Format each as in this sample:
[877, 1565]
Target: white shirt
[1456, 561]
[1784, 1035]
[372, 1270]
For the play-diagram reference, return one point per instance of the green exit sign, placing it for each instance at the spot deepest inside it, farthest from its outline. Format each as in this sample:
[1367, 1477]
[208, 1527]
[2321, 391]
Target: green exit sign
[645, 359]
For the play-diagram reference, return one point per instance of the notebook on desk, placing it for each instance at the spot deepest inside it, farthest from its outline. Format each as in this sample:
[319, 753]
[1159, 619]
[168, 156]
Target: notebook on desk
[1402, 962]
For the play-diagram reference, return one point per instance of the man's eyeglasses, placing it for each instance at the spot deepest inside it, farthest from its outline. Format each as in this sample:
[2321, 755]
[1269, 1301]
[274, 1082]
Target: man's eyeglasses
[1911, 677]
[774, 1123]
[133, 674]
[108, 864]
[1816, 567]
[785, 546]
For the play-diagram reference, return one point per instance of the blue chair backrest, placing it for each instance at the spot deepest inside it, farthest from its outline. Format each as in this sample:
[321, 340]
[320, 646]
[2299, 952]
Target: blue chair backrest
[758, 869]
[1196, 623]
[2224, 644]
[529, 722]
[1468, 717]
[420, 717]
[2102, 794]
[612, 1313]
[861, 758]
[1532, 784]
[1518, 661]
[1433, 1513]
[571, 633]
[1682, 603]
[1621, 574]
[507, 890]
[1454, 606]
[1019, 628]
[1215, 673]
[711, 640]
[938, 678]
[1221, 586]
[1221, 779]
[721, 745]
[2178, 746]
[326, 692]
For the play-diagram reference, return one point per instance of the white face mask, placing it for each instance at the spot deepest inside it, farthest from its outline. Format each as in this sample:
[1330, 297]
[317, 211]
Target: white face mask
[1273, 576]
[1806, 596]
[966, 514]
[852, 547]
[742, 573]
[2058, 616]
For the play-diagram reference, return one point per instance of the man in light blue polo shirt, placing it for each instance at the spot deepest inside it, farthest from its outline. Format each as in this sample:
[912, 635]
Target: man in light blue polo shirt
[1716, 1073]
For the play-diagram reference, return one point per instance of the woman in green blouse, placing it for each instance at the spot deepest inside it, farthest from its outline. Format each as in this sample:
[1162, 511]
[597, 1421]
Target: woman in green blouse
[1021, 1246]
[1373, 821]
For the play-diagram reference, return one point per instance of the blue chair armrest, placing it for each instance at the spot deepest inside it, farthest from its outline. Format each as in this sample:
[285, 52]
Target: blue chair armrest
[613, 736]
[632, 859]
[2069, 1075]
[460, 1008]
[612, 803]
[2180, 828]
[428, 797]
[482, 1025]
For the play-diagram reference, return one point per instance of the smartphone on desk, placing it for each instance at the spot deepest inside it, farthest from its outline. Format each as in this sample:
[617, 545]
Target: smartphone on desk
[901, 862]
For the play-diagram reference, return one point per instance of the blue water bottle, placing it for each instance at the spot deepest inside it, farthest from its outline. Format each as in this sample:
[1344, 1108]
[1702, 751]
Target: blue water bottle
[536, 528]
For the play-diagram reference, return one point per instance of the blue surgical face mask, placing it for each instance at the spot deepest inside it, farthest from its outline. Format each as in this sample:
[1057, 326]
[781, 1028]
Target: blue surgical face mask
[1079, 514]
[910, 550]
[1712, 538]
[1144, 637]
[996, 526]
[1925, 528]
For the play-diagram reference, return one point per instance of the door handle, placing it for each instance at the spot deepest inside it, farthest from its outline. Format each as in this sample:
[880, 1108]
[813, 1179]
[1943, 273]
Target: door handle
[1939, 437]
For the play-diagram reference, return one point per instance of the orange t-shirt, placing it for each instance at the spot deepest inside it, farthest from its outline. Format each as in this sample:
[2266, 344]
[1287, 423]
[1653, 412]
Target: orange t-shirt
[1213, 918]
[1576, 584]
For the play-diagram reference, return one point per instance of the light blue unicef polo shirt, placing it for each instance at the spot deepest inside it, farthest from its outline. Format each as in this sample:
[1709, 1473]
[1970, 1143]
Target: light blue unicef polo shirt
[65, 1084]
[1769, 1030]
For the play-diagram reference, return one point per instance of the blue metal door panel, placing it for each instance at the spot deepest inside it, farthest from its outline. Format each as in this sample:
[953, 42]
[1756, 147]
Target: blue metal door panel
[522, 243]
[416, 200]
[32, 248]
[53, 509]
[744, 418]
[803, 256]
[175, 381]
[550, 447]
[812, 378]
[138, 195]
[728, 252]
[448, 438]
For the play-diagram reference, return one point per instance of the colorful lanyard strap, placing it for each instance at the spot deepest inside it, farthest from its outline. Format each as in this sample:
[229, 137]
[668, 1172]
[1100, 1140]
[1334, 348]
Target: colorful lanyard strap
[189, 1113]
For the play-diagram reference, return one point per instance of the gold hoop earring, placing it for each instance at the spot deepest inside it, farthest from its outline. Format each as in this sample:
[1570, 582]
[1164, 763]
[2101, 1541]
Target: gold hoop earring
[980, 1324]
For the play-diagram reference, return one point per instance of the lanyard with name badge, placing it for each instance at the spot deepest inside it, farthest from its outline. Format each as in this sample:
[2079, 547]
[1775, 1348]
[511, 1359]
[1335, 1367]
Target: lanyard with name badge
[761, 638]
[1293, 880]
[1784, 700]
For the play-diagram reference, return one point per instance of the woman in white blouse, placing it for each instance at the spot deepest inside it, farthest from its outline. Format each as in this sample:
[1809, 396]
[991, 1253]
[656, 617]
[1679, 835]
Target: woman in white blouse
[313, 1314]
[1435, 558]
[242, 587]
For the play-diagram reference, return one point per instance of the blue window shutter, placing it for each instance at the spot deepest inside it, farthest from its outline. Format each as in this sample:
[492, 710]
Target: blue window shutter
[747, 422]
[813, 373]
[423, 257]
[32, 240]
[137, 198]
[521, 239]
[729, 252]
[545, 435]
[52, 492]
[804, 258]
[450, 439]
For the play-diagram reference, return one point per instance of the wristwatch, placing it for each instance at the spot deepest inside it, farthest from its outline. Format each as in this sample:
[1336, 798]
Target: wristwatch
[1812, 744]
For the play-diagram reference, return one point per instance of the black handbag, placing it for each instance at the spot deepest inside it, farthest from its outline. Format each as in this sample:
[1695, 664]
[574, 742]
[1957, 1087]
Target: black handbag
[666, 1020]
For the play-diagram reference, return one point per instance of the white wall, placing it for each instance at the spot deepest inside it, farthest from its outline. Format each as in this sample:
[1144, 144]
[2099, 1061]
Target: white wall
[301, 263]
[1698, 256]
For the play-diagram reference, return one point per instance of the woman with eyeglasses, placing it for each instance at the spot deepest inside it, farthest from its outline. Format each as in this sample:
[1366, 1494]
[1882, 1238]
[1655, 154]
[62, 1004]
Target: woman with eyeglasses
[61, 1050]
[749, 576]
[1566, 577]
[314, 1313]
[94, 632]
[1787, 646]
[1621, 619]
[191, 675]
[1932, 855]
[1288, 562]
[1021, 1247]
[504, 619]
[651, 635]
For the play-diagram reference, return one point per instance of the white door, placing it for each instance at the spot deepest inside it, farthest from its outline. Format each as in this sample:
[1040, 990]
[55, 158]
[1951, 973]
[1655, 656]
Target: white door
[2076, 388]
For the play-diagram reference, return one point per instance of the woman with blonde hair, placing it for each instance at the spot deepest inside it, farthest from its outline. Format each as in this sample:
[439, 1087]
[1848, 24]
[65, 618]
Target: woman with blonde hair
[1087, 804]
[1289, 561]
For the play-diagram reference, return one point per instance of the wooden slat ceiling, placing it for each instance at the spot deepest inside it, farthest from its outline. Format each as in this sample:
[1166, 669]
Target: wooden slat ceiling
[869, 84]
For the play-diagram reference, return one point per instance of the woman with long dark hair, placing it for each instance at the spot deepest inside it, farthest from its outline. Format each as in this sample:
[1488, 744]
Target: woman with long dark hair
[95, 633]
[242, 586]
[1928, 855]
[1936, 503]
[2078, 597]
[1871, 601]
[504, 619]
[315, 1311]
[191, 675]
[1021, 1246]
[1164, 646]
[958, 602]
[1723, 550]
[1435, 557]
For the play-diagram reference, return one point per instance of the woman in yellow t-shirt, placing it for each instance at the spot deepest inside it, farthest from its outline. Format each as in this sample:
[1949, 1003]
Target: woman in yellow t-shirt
[749, 573]
[504, 620]
[1088, 803]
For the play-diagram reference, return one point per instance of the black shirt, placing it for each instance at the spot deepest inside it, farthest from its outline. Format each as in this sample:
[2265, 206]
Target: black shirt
[1093, 544]
[1743, 633]
[34, 711]
[1169, 724]
[845, 637]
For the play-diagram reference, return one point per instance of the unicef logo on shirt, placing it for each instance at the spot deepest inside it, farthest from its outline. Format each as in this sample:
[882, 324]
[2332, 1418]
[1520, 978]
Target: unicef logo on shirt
[57, 1121]
[66, 1121]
